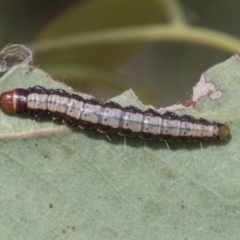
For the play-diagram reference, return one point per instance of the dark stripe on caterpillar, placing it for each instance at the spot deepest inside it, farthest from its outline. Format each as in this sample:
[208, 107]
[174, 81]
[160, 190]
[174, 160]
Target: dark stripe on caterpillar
[109, 117]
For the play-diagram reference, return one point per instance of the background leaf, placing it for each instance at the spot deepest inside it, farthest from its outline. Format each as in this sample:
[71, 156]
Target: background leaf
[79, 185]
[161, 72]
[98, 16]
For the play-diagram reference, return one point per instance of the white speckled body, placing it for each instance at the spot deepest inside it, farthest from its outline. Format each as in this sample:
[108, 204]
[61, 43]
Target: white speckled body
[125, 121]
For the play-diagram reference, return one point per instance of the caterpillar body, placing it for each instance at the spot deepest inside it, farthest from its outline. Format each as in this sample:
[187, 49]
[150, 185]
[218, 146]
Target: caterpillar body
[109, 117]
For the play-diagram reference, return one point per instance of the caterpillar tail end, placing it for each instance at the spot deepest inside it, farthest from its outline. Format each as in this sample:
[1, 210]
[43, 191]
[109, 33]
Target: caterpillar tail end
[223, 132]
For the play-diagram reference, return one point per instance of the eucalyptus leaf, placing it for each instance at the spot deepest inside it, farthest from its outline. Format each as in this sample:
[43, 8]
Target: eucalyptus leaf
[60, 183]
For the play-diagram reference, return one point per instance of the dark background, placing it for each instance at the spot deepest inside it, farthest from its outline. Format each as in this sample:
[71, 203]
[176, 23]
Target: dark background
[160, 73]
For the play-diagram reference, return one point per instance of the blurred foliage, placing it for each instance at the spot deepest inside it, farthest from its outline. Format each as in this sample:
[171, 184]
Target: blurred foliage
[104, 47]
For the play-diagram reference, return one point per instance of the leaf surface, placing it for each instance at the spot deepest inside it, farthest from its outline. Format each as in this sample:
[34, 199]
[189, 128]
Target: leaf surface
[59, 183]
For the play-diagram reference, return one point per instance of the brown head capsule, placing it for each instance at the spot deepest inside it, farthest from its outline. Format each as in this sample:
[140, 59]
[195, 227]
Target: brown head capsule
[14, 101]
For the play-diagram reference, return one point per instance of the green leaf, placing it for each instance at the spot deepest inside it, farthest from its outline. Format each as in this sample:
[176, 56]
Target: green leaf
[71, 184]
[98, 16]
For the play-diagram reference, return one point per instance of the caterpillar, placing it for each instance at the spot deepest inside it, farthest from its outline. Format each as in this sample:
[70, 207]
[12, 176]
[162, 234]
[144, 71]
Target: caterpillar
[109, 117]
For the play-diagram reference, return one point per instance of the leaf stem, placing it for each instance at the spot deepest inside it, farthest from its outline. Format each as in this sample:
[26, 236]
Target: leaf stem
[153, 33]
